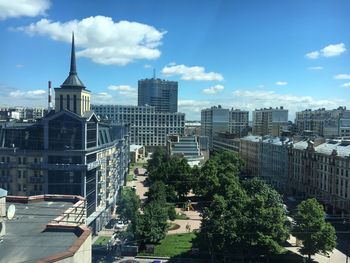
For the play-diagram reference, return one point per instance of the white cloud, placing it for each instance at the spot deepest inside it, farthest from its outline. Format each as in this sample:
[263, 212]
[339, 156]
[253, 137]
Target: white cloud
[313, 55]
[281, 83]
[342, 76]
[261, 86]
[192, 107]
[191, 73]
[147, 66]
[121, 88]
[101, 98]
[103, 40]
[19, 65]
[124, 90]
[346, 85]
[32, 94]
[332, 50]
[315, 68]
[213, 89]
[18, 8]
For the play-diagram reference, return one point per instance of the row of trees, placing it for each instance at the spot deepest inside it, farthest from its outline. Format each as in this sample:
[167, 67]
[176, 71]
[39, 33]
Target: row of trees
[248, 217]
[239, 218]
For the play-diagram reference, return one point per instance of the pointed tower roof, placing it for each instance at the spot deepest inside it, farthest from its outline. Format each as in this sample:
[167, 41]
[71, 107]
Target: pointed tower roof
[73, 80]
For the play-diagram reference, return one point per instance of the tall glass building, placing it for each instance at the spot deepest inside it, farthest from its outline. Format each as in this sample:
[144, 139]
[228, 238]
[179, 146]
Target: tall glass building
[162, 94]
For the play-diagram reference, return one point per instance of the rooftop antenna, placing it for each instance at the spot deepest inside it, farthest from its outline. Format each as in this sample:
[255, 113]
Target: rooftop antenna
[154, 73]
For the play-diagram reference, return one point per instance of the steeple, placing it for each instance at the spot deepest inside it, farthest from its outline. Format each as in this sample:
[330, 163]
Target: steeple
[73, 80]
[73, 65]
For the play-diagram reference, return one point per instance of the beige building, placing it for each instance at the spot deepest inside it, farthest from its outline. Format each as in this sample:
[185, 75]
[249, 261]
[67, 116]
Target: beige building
[47, 228]
[321, 171]
[269, 121]
[249, 150]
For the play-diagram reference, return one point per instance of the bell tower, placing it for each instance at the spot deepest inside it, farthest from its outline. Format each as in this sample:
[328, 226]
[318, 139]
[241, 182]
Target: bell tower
[72, 95]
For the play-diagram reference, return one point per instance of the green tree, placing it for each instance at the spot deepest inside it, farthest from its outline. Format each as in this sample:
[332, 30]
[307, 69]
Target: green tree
[151, 226]
[128, 204]
[207, 181]
[179, 175]
[266, 225]
[310, 227]
[158, 158]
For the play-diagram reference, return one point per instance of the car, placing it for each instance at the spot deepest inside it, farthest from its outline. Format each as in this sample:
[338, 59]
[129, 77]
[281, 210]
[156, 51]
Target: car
[119, 225]
[133, 188]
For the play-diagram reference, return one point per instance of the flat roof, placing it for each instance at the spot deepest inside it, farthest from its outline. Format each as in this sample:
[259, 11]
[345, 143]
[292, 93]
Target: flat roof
[27, 238]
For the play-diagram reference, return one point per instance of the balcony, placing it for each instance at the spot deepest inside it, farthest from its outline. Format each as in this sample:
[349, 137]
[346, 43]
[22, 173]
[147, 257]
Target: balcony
[60, 166]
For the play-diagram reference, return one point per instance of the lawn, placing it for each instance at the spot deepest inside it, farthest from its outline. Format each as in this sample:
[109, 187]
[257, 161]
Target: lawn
[102, 240]
[173, 245]
[129, 177]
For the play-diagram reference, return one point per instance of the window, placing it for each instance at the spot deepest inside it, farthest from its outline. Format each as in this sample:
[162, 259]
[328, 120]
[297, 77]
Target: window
[68, 102]
[19, 174]
[75, 103]
[19, 187]
[61, 102]
[19, 160]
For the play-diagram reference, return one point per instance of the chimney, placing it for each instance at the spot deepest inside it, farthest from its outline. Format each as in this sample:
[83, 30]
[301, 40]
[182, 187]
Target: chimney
[49, 106]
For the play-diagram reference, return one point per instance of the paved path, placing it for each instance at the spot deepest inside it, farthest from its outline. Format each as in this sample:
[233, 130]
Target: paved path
[335, 257]
[194, 222]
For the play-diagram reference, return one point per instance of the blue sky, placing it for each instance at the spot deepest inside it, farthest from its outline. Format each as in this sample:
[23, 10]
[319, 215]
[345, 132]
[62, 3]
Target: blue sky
[243, 54]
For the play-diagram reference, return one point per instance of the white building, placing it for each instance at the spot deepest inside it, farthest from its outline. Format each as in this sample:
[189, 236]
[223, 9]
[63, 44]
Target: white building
[147, 127]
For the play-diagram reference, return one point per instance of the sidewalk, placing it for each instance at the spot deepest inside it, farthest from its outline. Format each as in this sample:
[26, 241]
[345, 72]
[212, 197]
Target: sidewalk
[335, 257]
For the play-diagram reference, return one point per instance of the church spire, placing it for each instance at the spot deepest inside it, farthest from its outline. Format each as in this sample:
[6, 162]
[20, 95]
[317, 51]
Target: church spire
[73, 65]
[73, 80]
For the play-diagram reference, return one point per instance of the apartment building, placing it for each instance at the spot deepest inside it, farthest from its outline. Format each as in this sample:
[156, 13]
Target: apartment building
[249, 150]
[217, 120]
[147, 127]
[22, 113]
[70, 151]
[326, 123]
[160, 93]
[269, 121]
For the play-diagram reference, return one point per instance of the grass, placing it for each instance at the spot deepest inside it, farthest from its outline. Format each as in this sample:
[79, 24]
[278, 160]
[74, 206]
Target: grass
[129, 178]
[173, 245]
[181, 217]
[102, 240]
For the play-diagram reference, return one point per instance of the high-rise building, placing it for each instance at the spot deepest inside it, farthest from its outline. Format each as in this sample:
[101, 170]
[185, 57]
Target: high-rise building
[147, 127]
[162, 94]
[269, 121]
[326, 123]
[70, 151]
[217, 120]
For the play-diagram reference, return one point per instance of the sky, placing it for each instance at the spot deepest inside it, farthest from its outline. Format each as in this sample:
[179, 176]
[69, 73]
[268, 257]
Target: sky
[244, 54]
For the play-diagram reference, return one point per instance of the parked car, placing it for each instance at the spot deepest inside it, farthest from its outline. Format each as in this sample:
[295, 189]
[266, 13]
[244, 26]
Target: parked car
[119, 225]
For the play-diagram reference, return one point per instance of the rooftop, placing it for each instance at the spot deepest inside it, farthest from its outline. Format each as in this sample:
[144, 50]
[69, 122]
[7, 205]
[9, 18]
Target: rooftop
[32, 235]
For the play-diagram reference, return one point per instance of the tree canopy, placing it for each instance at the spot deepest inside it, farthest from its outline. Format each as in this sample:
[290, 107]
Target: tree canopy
[310, 227]
[128, 204]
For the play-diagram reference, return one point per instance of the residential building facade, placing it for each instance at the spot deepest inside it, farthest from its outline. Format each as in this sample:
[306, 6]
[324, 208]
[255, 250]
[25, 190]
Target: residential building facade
[217, 120]
[147, 127]
[326, 123]
[70, 151]
[269, 121]
[22, 113]
[162, 94]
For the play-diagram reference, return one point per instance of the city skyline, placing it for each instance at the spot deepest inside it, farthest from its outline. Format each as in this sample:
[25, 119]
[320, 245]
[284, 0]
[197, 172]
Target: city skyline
[234, 53]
